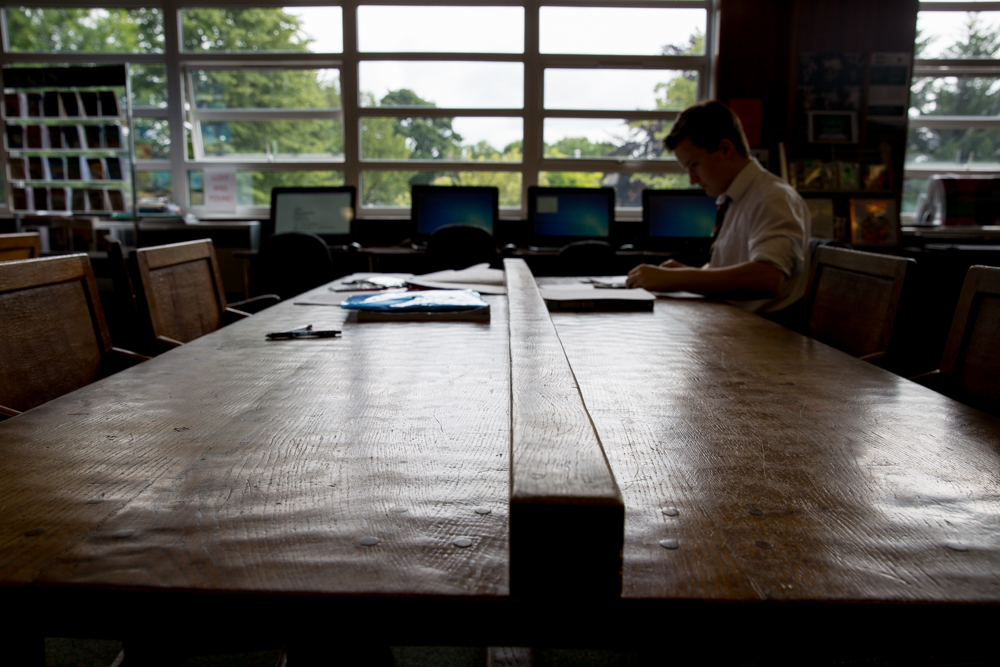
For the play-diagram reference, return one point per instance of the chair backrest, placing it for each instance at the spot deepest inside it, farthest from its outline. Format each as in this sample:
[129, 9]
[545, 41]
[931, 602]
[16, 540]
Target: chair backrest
[24, 245]
[55, 338]
[291, 263]
[970, 358]
[586, 258]
[853, 299]
[459, 247]
[182, 289]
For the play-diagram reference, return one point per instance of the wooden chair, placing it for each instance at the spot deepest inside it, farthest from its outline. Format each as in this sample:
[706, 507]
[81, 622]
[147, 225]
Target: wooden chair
[970, 368]
[55, 338]
[181, 292]
[26, 245]
[853, 301]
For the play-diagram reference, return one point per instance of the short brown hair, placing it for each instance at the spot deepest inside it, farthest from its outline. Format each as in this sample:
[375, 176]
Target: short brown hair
[706, 124]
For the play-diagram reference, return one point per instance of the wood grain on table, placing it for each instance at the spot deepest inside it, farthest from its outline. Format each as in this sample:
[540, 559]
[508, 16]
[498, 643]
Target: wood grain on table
[567, 516]
[788, 470]
[236, 464]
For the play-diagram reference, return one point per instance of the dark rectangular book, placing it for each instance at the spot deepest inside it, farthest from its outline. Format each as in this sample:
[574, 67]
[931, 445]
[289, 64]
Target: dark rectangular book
[71, 133]
[33, 136]
[95, 198]
[114, 169]
[73, 171]
[109, 103]
[36, 171]
[96, 166]
[79, 199]
[586, 297]
[18, 169]
[90, 105]
[117, 198]
[71, 104]
[15, 137]
[41, 199]
[58, 197]
[57, 168]
[34, 105]
[50, 105]
[93, 135]
[20, 197]
[112, 136]
[12, 105]
[55, 137]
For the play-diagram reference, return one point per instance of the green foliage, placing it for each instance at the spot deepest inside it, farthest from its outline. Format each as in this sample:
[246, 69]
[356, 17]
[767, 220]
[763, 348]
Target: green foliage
[233, 30]
[958, 96]
[58, 30]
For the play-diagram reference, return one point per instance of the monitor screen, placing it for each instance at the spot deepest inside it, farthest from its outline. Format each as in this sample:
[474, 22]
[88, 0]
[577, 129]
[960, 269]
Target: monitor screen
[678, 214]
[326, 212]
[571, 212]
[436, 206]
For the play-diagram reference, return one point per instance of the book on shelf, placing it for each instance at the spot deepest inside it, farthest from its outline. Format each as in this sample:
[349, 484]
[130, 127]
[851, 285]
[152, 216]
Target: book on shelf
[95, 166]
[73, 169]
[12, 105]
[821, 214]
[73, 137]
[114, 165]
[109, 104]
[50, 104]
[41, 196]
[57, 168]
[117, 199]
[59, 198]
[70, 104]
[34, 105]
[78, 199]
[94, 134]
[15, 137]
[33, 136]
[97, 199]
[873, 222]
[36, 168]
[89, 102]
[17, 168]
[53, 137]
[112, 136]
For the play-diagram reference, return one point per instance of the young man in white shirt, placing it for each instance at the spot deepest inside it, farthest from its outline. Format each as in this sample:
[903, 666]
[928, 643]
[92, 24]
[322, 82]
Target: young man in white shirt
[760, 255]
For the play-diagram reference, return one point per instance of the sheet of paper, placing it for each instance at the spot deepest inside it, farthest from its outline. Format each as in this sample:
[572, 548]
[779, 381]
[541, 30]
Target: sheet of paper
[480, 273]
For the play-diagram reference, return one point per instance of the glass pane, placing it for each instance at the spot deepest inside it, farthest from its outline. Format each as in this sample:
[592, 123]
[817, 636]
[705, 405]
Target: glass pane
[152, 139]
[267, 89]
[604, 138]
[620, 89]
[253, 188]
[461, 85]
[320, 139]
[955, 96]
[441, 29]
[955, 35]
[65, 30]
[628, 187]
[622, 31]
[914, 189]
[155, 187]
[149, 86]
[464, 138]
[953, 148]
[392, 188]
[263, 29]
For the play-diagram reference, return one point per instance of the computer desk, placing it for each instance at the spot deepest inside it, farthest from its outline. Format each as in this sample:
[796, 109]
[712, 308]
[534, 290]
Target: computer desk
[779, 495]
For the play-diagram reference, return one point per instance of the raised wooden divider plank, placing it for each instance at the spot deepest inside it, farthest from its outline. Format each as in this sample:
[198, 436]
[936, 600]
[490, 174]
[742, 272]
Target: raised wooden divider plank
[566, 513]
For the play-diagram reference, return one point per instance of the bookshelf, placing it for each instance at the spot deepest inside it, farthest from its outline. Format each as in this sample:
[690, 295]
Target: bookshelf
[851, 192]
[69, 148]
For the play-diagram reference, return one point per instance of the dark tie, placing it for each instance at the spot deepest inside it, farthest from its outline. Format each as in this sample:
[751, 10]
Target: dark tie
[720, 217]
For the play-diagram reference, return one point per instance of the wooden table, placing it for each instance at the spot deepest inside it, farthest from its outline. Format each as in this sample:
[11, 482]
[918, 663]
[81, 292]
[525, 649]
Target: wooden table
[232, 487]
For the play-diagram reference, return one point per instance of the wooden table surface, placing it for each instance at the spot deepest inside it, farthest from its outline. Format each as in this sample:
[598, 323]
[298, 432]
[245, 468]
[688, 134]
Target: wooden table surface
[789, 471]
[240, 476]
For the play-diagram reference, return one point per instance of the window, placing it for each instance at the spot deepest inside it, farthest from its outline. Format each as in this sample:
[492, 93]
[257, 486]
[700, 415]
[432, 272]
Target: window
[954, 123]
[384, 96]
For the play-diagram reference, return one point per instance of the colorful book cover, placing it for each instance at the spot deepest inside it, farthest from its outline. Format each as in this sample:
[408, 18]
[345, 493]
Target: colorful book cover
[873, 222]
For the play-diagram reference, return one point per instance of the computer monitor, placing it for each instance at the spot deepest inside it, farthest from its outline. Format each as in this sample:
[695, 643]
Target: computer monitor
[675, 219]
[327, 212]
[558, 216]
[435, 206]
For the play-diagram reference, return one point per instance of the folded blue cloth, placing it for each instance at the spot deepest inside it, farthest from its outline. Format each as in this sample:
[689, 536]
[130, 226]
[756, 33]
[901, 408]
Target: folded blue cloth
[427, 301]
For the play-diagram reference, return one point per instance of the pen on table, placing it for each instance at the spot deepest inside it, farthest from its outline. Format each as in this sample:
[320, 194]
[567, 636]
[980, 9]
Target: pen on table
[303, 332]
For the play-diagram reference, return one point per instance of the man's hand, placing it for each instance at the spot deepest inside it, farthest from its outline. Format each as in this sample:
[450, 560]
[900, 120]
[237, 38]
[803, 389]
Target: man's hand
[652, 278]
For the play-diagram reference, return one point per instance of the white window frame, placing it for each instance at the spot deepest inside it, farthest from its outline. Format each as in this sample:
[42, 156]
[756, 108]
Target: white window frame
[183, 118]
[938, 68]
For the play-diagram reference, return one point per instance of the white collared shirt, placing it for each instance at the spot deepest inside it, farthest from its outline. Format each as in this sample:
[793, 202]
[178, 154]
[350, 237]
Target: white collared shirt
[767, 221]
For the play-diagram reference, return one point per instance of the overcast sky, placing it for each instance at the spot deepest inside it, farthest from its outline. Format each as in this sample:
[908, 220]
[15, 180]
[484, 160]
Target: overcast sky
[622, 31]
